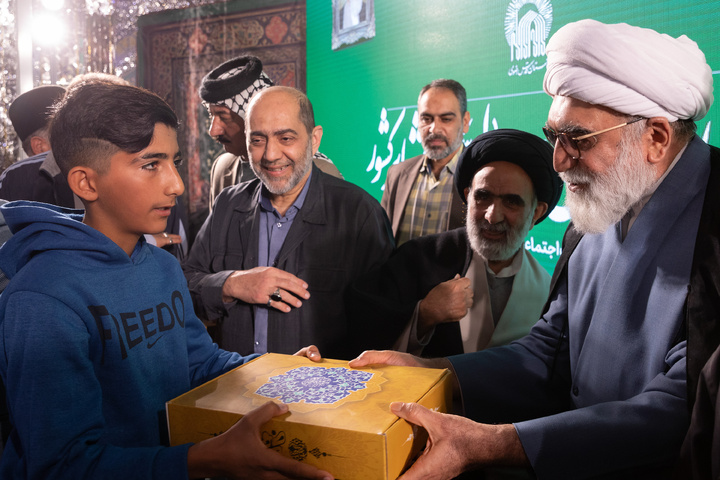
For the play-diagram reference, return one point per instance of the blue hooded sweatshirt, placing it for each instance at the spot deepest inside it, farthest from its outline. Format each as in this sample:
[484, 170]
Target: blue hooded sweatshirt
[92, 345]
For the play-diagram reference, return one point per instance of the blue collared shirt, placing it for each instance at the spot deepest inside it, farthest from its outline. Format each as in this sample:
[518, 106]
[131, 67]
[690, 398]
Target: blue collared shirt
[273, 231]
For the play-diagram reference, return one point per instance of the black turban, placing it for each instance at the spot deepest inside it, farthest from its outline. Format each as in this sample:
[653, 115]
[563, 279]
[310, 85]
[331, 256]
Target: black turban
[31, 110]
[529, 152]
[234, 82]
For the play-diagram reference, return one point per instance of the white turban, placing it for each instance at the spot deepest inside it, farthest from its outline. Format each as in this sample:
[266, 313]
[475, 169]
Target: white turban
[632, 70]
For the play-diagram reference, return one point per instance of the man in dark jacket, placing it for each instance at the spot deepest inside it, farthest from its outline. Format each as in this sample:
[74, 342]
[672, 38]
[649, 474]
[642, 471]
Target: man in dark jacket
[37, 177]
[273, 260]
[474, 287]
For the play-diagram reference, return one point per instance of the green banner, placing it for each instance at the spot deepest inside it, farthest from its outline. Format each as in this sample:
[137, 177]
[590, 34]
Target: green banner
[367, 61]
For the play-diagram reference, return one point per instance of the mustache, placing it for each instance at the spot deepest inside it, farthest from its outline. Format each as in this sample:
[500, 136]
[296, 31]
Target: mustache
[486, 226]
[436, 136]
[277, 163]
[577, 175]
[222, 139]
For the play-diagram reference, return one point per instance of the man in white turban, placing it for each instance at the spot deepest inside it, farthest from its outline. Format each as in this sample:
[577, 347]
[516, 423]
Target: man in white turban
[602, 385]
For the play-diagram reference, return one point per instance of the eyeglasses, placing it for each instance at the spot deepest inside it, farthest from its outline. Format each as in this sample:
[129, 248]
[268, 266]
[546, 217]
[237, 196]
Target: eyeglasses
[575, 145]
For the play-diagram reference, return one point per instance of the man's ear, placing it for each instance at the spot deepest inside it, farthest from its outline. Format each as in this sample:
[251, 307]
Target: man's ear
[39, 145]
[466, 122]
[540, 210]
[316, 136]
[82, 181]
[658, 139]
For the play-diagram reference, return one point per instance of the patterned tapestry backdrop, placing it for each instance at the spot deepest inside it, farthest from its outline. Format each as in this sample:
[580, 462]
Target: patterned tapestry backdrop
[9, 144]
[67, 38]
[176, 49]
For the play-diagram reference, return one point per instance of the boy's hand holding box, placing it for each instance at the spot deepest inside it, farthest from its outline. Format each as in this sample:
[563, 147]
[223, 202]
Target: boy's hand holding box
[339, 418]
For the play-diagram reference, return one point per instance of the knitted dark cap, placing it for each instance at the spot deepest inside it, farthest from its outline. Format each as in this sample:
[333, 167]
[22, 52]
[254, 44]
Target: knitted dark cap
[31, 111]
[529, 152]
[234, 82]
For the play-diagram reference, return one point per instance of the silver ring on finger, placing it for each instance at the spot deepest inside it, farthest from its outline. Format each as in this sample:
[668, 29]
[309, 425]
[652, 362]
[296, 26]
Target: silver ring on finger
[276, 297]
[269, 302]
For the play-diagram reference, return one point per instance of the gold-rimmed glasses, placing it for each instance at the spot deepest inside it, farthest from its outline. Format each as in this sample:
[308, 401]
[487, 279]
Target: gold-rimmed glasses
[575, 145]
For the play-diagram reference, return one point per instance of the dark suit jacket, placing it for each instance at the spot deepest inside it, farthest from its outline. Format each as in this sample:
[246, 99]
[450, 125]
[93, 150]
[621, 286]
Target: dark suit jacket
[26, 180]
[399, 182]
[383, 300]
[340, 232]
[700, 454]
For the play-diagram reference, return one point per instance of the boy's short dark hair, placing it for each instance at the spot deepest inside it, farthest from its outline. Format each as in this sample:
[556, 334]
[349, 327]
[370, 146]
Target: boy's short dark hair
[97, 120]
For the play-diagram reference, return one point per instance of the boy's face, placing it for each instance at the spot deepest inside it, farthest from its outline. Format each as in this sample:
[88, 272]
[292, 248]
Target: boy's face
[136, 194]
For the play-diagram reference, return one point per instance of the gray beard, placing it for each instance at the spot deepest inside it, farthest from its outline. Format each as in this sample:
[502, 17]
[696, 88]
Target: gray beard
[440, 154]
[497, 251]
[609, 196]
[297, 174]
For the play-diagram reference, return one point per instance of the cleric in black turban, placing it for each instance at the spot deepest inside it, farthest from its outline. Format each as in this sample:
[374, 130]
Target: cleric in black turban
[529, 152]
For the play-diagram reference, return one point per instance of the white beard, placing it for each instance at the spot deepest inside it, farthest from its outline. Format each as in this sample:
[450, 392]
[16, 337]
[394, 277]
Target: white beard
[498, 251]
[607, 197]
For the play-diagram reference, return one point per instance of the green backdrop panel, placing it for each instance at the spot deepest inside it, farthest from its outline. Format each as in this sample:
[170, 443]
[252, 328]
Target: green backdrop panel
[364, 87]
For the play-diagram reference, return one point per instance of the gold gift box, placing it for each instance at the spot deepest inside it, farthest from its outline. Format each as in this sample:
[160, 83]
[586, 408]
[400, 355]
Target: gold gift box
[339, 418]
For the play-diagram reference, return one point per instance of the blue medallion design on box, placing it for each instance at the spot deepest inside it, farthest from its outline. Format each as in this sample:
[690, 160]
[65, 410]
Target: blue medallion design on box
[314, 384]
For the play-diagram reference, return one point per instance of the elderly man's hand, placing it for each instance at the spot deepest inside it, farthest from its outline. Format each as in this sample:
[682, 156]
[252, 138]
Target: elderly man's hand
[447, 302]
[456, 444]
[391, 357]
[240, 453]
[388, 357]
[311, 351]
[266, 285]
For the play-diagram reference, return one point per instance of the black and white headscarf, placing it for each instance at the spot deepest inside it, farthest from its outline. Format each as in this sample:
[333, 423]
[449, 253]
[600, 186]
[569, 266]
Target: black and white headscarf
[234, 82]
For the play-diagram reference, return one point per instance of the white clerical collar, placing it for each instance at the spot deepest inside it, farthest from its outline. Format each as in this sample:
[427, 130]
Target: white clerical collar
[509, 271]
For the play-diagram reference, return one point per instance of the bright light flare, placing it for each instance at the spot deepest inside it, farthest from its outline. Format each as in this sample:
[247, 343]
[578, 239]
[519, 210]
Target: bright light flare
[53, 4]
[48, 30]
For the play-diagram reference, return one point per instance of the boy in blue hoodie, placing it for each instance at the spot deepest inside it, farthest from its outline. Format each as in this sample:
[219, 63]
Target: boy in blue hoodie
[97, 329]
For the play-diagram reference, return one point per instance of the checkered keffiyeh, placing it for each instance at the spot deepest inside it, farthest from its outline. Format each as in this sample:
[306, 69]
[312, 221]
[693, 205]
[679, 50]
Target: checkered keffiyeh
[233, 83]
[239, 102]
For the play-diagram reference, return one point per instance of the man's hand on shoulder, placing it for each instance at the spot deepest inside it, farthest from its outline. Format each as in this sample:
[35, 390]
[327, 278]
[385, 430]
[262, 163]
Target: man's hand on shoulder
[447, 302]
[266, 285]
